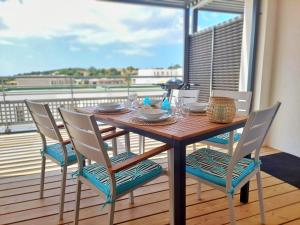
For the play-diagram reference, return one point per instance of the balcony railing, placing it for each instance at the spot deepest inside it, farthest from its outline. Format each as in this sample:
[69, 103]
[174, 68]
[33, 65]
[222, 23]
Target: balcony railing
[13, 112]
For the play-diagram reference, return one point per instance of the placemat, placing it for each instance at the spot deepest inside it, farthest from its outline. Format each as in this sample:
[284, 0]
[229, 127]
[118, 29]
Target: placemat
[168, 121]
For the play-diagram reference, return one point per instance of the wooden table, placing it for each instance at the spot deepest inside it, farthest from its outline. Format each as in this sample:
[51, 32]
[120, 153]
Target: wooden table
[186, 131]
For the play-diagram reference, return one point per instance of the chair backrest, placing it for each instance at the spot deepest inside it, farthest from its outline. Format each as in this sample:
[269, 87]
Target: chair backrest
[242, 99]
[85, 135]
[188, 96]
[253, 136]
[44, 120]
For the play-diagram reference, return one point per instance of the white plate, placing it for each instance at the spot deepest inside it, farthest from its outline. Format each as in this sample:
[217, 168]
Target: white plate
[99, 109]
[164, 117]
[110, 105]
[152, 114]
[197, 106]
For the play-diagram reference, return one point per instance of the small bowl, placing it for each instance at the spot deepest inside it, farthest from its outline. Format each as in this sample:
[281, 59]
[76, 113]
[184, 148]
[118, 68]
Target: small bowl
[152, 113]
[197, 106]
[110, 105]
[155, 102]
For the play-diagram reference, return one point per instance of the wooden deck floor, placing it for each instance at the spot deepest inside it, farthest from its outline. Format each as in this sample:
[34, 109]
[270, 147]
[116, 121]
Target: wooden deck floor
[20, 203]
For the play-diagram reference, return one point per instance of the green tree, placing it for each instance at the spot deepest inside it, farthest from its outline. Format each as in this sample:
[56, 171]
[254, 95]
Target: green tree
[176, 66]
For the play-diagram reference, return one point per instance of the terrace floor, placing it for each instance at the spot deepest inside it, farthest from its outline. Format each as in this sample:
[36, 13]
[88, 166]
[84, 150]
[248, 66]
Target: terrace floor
[20, 203]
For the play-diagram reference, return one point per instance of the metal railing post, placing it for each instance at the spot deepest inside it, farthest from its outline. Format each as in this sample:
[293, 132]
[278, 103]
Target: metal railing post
[72, 91]
[7, 128]
[128, 83]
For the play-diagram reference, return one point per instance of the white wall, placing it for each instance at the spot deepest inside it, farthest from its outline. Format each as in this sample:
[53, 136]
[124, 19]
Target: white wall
[29, 82]
[170, 73]
[285, 85]
[41, 81]
[278, 71]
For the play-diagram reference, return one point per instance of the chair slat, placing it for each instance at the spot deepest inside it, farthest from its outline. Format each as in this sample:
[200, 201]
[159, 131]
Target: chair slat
[249, 147]
[264, 117]
[254, 133]
[88, 151]
[237, 95]
[83, 136]
[48, 132]
[37, 107]
[82, 122]
[242, 99]
[188, 96]
[42, 120]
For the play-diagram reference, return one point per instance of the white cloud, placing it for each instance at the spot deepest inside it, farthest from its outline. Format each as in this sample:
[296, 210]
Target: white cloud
[135, 51]
[91, 22]
[5, 42]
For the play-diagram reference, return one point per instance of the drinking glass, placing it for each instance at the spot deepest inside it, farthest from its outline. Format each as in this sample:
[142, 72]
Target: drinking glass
[132, 98]
[184, 110]
[178, 109]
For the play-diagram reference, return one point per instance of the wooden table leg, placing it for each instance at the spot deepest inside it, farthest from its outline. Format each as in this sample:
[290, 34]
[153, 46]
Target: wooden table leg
[177, 182]
[244, 195]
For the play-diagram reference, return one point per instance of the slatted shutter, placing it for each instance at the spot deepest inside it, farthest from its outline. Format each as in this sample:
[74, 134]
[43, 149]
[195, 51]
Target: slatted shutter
[227, 56]
[215, 57]
[200, 61]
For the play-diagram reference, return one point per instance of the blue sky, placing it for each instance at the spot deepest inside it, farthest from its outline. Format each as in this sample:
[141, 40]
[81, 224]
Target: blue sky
[38, 35]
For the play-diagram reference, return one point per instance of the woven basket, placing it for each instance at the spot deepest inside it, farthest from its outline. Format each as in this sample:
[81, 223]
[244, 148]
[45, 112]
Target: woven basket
[221, 109]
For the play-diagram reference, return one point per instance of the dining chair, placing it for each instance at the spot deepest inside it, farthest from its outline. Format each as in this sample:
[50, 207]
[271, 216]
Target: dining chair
[112, 177]
[188, 96]
[229, 173]
[61, 152]
[227, 140]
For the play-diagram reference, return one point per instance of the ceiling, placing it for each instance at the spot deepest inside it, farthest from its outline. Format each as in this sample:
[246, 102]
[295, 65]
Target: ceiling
[232, 6]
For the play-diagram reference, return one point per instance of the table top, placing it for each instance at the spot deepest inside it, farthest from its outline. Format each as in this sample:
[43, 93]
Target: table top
[188, 127]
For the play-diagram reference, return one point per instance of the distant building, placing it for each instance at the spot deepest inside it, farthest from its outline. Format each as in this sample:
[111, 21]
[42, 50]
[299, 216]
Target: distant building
[101, 81]
[11, 83]
[158, 75]
[42, 81]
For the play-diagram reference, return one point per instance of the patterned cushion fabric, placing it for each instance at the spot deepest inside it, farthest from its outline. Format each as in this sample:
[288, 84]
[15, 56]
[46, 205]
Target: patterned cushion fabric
[126, 179]
[224, 138]
[56, 152]
[212, 165]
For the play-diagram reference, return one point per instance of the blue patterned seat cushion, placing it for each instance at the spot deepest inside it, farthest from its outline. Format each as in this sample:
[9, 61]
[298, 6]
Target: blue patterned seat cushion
[55, 150]
[126, 179]
[224, 138]
[212, 166]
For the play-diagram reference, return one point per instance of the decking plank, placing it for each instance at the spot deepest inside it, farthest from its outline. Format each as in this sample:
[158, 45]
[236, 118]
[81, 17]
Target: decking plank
[20, 203]
[89, 207]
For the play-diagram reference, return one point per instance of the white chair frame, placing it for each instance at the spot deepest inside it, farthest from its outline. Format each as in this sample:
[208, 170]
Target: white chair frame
[87, 141]
[242, 102]
[251, 141]
[188, 96]
[47, 128]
